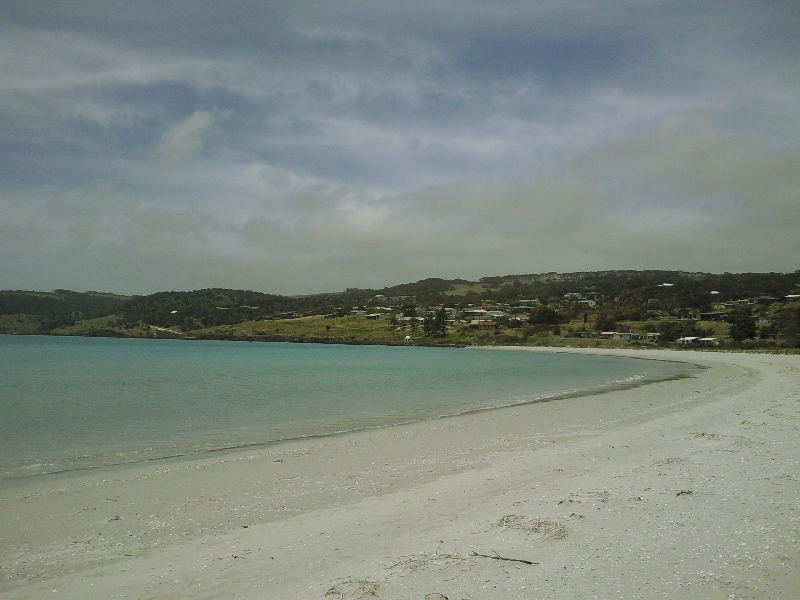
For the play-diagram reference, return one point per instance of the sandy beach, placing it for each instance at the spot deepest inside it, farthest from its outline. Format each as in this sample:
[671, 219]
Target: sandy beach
[679, 489]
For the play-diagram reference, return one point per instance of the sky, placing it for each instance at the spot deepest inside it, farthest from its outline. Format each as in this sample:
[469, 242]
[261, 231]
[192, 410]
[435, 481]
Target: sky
[303, 147]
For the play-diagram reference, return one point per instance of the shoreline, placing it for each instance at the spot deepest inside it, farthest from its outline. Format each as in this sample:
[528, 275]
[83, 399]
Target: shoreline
[424, 343]
[382, 496]
[147, 452]
[614, 386]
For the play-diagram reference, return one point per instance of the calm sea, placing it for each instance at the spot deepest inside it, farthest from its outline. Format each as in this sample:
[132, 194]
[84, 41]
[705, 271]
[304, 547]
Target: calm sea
[73, 403]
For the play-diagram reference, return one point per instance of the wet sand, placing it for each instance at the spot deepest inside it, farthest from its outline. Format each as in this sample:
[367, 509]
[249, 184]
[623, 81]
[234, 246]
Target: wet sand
[679, 489]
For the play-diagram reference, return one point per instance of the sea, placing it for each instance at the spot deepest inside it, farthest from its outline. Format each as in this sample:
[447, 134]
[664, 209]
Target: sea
[73, 403]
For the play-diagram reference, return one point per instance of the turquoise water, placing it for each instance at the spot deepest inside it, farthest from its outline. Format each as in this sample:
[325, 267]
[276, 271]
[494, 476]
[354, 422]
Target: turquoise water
[72, 403]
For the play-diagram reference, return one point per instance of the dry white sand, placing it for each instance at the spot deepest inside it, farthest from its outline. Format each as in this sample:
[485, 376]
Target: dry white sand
[681, 489]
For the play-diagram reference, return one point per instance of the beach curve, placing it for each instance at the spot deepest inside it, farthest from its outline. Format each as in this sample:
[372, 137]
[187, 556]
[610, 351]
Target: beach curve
[684, 488]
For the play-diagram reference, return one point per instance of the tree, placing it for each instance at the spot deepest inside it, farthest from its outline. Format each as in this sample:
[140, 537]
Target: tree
[435, 324]
[429, 324]
[788, 320]
[544, 316]
[410, 310]
[605, 322]
[414, 324]
[741, 325]
[440, 322]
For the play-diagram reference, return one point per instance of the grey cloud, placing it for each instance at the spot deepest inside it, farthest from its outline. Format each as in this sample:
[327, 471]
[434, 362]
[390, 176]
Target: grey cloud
[306, 146]
[679, 196]
[184, 137]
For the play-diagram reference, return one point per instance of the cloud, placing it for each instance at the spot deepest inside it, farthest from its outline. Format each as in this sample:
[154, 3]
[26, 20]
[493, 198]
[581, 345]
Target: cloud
[678, 196]
[183, 138]
[318, 146]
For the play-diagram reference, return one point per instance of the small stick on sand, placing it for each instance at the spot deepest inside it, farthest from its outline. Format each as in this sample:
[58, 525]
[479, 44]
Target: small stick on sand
[498, 557]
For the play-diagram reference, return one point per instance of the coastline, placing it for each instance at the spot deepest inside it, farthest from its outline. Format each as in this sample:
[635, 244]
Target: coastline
[312, 516]
[463, 382]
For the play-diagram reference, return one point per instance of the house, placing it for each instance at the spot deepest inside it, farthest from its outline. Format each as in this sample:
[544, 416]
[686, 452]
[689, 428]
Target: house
[533, 302]
[373, 316]
[764, 320]
[285, 315]
[689, 340]
[791, 297]
[607, 335]
[589, 303]
[709, 341]
[762, 300]
[652, 337]
[521, 309]
[713, 316]
[627, 337]
[587, 334]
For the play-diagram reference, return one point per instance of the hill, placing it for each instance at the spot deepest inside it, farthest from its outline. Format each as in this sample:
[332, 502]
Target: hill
[524, 307]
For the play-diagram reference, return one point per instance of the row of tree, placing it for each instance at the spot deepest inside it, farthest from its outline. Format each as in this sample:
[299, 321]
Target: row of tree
[620, 296]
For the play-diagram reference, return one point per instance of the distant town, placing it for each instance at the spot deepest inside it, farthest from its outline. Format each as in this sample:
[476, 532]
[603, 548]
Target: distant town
[678, 309]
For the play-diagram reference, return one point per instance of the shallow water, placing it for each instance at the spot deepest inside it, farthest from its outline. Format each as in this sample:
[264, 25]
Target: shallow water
[72, 403]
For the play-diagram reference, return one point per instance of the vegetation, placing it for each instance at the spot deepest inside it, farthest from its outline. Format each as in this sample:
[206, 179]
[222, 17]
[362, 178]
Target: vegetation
[746, 310]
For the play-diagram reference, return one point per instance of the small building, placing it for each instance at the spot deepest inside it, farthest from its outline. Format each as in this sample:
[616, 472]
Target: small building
[713, 316]
[688, 340]
[762, 300]
[709, 341]
[652, 337]
[607, 335]
[531, 303]
[627, 337]
[373, 316]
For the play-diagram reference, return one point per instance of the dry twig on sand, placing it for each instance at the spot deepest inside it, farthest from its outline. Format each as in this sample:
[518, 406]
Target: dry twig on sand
[543, 527]
[353, 589]
[496, 556]
[440, 560]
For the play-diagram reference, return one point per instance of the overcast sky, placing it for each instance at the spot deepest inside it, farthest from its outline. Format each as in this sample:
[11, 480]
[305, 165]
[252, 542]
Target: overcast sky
[299, 147]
